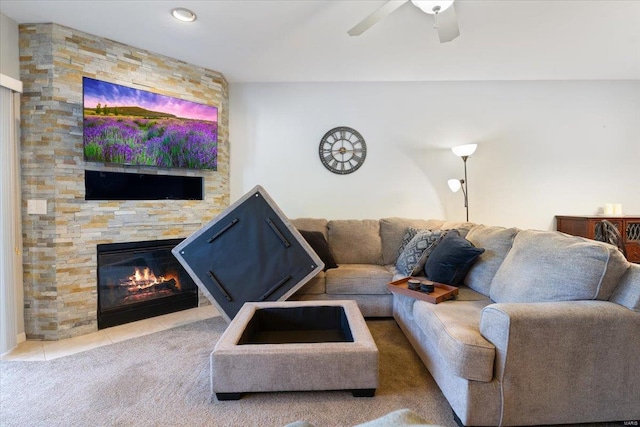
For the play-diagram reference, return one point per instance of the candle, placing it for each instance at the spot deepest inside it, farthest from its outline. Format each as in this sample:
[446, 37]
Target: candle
[608, 208]
[617, 209]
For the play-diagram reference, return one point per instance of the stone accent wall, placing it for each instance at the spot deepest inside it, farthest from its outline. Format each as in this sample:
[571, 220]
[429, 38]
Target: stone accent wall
[60, 247]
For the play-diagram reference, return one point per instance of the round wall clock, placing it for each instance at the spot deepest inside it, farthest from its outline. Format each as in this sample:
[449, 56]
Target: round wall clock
[342, 150]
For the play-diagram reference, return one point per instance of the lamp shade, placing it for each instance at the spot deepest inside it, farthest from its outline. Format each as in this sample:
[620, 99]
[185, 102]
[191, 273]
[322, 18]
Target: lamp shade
[464, 150]
[454, 184]
[433, 6]
[184, 15]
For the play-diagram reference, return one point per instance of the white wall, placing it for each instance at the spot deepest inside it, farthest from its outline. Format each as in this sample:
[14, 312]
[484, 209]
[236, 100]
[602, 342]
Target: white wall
[545, 148]
[9, 56]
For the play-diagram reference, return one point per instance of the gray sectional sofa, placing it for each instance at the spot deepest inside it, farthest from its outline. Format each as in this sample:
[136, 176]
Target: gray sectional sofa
[545, 330]
[366, 252]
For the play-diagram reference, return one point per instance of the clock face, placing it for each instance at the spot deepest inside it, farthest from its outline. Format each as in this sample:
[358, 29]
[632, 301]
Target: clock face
[342, 150]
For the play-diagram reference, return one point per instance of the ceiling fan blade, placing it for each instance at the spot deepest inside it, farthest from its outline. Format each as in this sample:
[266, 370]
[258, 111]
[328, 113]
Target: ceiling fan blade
[447, 22]
[376, 16]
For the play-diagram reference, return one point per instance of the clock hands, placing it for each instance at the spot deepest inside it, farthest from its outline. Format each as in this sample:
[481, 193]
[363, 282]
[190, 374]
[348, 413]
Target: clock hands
[344, 150]
[331, 156]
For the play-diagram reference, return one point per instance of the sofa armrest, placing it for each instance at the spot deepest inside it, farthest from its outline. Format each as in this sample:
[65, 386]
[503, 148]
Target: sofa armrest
[565, 362]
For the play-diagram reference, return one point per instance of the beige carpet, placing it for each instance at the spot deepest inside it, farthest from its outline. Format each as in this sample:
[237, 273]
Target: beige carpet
[163, 380]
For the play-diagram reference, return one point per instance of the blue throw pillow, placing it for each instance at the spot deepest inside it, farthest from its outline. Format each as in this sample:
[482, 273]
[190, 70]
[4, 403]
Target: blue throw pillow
[319, 244]
[451, 259]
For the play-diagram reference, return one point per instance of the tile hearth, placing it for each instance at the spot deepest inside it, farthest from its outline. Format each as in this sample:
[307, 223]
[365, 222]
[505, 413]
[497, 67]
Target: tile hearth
[40, 351]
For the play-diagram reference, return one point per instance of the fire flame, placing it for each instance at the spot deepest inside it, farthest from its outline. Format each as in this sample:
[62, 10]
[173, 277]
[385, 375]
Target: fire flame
[145, 278]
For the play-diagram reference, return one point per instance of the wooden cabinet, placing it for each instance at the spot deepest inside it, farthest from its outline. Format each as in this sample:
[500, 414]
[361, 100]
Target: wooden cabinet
[585, 226]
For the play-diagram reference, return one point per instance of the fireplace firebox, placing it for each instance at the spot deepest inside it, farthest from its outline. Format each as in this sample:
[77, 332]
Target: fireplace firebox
[138, 280]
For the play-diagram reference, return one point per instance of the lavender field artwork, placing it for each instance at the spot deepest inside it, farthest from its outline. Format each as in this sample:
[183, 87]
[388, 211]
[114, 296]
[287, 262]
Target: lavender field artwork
[134, 127]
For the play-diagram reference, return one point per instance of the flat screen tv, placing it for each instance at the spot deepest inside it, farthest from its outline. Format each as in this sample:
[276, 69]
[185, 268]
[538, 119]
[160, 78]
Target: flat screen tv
[134, 127]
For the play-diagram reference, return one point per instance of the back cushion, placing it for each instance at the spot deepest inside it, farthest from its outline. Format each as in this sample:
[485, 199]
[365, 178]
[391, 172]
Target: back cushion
[355, 241]
[462, 227]
[545, 266]
[392, 230]
[496, 242]
[311, 224]
[627, 292]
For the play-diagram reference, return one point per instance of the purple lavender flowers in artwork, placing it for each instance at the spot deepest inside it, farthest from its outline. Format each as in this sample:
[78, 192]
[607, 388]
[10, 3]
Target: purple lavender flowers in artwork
[128, 126]
[179, 143]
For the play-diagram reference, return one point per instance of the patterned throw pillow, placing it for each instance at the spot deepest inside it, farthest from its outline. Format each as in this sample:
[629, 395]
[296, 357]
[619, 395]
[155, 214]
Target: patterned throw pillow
[414, 255]
[436, 238]
[409, 234]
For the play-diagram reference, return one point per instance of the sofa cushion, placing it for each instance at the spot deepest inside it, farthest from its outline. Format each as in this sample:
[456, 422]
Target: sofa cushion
[627, 292]
[311, 224]
[451, 259]
[355, 241]
[393, 229]
[454, 328]
[496, 242]
[467, 294]
[358, 279]
[546, 266]
[315, 286]
[319, 244]
[413, 257]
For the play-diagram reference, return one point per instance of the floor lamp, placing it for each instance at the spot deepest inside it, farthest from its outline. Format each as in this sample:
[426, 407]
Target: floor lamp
[463, 151]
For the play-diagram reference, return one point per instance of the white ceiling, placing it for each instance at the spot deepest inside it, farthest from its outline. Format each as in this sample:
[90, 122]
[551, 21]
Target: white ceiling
[306, 40]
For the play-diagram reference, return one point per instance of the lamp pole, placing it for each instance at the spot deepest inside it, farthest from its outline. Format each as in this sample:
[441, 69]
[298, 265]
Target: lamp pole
[463, 151]
[464, 186]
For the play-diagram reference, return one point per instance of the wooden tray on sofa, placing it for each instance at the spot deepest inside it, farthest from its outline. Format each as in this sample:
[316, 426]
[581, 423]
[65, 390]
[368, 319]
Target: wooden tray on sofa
[441, 292]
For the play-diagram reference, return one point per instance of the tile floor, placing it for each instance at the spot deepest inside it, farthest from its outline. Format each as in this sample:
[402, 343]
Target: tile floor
[48, 350]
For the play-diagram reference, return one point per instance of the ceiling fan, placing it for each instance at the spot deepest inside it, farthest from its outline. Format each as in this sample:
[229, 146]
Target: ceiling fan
[446, 22]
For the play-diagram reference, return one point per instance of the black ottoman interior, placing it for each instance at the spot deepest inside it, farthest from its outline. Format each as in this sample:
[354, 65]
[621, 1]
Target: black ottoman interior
[297, 325]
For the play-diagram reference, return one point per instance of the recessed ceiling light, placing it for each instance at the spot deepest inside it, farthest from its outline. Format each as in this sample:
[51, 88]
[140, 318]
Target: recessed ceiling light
[182, 14]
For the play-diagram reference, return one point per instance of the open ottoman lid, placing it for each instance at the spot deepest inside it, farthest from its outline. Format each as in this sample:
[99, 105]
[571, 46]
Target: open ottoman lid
[250, 252]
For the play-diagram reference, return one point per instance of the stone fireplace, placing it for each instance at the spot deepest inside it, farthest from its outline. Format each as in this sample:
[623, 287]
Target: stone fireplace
[59, 247]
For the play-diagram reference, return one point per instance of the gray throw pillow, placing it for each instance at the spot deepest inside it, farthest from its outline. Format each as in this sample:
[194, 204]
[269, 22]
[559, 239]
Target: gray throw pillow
[415, 254]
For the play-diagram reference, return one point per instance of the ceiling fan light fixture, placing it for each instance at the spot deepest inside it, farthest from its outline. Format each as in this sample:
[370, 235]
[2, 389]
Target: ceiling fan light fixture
[433, 6]
[184, 15]
[444, 14]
